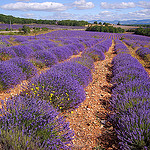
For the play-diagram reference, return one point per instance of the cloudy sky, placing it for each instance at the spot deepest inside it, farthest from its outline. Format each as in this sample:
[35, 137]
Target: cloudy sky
[77, 9]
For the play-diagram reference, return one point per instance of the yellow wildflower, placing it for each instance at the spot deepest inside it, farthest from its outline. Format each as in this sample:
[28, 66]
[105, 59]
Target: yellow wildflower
[37, 88]
[51, 94]
[67, 94]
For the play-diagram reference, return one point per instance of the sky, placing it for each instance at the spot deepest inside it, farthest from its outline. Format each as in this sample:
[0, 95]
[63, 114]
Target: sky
[87, 10]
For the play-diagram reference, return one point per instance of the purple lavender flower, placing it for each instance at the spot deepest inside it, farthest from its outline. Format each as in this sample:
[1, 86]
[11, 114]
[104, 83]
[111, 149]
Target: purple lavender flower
[30, 123]
[7, 53]
[79, 72]
[62, 90]
[10, 74]
[23, 51]
[94, 53]
[46, 57]
[28, 69]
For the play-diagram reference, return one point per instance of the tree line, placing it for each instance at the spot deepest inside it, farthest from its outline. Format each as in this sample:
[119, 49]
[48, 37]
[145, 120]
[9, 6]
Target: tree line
[7, 18]
[142, 31]
[106, 28]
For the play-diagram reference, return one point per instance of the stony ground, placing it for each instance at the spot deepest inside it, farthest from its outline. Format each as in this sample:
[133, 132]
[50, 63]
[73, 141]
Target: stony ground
[89, 120]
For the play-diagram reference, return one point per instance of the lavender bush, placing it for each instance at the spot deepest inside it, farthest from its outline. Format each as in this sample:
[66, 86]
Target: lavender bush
[7, 53]
[23, 51]
[130, 101]
[62, 52]
[85, 60]
[79, 72]
[36, 47]
[10, 74]
[61, 90]
[28, 69]
[30, 123]
[94, 53]
[46, 57]
[144, 53]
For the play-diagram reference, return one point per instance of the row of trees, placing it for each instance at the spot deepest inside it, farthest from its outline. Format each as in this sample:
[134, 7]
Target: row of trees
[105, 28]
[72, 23]
[142, 31]
[7, 18]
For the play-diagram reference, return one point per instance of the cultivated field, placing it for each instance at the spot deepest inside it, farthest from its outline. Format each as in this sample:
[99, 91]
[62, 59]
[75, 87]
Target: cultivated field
[70, 89]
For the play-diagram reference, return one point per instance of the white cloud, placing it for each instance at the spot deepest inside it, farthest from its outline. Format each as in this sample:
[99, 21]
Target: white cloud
[45, 6]
[103, 15]
[144, 4]
[62, 16]
[110, 16]
[28, 15]
[82, 4]
[122, 5]
[142, 14]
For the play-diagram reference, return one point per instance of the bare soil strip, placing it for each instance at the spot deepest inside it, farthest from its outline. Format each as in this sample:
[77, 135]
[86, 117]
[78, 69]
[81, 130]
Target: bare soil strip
[89, 121]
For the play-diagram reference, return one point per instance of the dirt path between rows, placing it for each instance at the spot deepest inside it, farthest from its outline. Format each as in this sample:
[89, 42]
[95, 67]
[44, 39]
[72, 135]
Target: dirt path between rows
[89, 120]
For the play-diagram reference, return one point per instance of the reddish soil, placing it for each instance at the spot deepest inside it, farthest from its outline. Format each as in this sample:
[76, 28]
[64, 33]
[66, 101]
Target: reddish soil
[89, 121]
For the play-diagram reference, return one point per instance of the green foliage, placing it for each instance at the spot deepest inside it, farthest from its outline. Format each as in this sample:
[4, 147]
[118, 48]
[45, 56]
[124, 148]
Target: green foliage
[37, 63]
[105, 28]
[118, 23]
[72, 23]
[25, 29]
[142, 31]
[130, 30]
[95, 22]
[44, 29]
[6, 19]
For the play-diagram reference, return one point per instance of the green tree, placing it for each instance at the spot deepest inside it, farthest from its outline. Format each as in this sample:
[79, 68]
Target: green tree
[118, 23]
[26, 29]
[35, 31]
[100, 23]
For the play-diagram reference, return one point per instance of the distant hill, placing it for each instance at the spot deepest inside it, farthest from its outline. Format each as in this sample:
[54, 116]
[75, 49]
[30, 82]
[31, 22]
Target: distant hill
[145, 21]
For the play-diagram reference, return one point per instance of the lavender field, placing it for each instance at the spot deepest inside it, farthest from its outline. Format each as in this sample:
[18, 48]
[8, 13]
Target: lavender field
[58, 67]
[51, 27]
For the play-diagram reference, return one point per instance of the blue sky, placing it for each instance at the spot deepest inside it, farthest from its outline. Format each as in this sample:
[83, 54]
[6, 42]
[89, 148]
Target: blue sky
[77, 9]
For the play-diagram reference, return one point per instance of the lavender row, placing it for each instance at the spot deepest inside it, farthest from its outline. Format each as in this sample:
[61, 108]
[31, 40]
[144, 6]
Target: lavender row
[97, 51]
[52, 27]
[120, 47]
[13, 71]
[31, 123]
[144, 53]
[131, 102]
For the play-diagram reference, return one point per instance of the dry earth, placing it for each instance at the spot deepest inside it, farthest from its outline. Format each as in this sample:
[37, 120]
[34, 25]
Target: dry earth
[89, 121]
